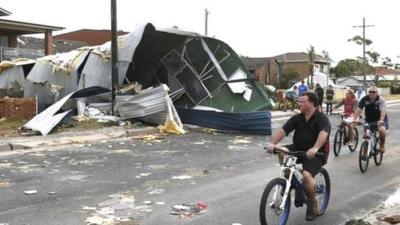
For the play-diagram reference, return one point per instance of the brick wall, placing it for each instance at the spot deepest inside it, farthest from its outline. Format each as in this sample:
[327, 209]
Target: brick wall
[18, 108]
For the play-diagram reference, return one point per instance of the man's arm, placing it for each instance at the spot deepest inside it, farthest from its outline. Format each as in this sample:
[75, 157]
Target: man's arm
[357, 114]
[276, 139]
[322, 137]
[382, 106]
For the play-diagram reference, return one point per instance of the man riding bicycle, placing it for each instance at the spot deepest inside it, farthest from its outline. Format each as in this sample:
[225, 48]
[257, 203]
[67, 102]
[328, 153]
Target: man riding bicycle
[375, 111]
[311, 134]
[350, 106]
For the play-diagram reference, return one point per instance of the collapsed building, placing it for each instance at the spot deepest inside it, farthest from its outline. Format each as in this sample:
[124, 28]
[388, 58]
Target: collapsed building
[206, 80]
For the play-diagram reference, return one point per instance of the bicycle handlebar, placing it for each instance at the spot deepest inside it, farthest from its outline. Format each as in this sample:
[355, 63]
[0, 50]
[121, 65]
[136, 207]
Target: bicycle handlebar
[293, 153]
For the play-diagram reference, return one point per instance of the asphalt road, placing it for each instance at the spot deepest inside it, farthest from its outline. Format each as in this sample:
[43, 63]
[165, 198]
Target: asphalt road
[228, 172]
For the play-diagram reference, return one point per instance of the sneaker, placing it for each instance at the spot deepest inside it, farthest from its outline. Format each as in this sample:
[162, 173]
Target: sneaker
[382, 148]
[350, 144]
[312, 209]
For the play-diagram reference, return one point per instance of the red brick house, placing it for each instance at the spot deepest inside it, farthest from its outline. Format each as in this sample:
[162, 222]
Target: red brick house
[89, 36]
[268, 69]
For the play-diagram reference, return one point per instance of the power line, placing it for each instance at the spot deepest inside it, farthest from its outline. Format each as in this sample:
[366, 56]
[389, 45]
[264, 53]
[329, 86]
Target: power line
[363, 26]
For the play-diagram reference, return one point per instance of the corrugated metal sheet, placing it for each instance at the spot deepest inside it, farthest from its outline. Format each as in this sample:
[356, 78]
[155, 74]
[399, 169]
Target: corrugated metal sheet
[12, 78]
[148, 102]
[96, 72]
[252, 122]
[45, 121]
[54, 77]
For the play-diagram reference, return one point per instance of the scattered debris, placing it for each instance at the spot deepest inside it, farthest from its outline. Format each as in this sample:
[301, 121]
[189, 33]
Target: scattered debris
[119, 208]
[189, 210]
[4, 184]
[240, 141]
[395, 219]
[182, 177]
[77, 177]
[156, 191]
[30, 192]
[357, 222]
[145, 174]
[150, 137]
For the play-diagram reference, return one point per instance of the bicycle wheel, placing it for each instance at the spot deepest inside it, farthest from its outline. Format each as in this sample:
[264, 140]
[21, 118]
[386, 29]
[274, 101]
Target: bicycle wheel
[270, 214]
[337, 144]
[323, 189]
[363, 159]
[294, 106]
[355, 141]
[378, 155]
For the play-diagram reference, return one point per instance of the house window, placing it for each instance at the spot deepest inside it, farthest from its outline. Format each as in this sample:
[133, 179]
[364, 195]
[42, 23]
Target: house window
[321, 68]
[4, 41]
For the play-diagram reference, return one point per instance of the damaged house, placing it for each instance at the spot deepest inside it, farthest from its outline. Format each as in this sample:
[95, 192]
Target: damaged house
[207, 82]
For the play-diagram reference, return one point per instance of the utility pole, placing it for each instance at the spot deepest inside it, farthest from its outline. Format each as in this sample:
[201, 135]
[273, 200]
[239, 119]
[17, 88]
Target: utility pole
[114, 54]
[206, 22]
[364, 59]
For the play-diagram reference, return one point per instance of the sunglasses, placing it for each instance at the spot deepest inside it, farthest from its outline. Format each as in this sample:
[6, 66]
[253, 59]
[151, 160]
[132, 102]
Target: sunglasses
[372, 92]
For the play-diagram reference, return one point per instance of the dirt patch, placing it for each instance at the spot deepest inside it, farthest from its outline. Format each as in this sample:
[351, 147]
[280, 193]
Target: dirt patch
[9, 127]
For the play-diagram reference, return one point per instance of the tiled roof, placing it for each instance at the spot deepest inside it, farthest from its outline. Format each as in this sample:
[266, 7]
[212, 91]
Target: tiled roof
[254, 63]
[383, 70]
[299, 57]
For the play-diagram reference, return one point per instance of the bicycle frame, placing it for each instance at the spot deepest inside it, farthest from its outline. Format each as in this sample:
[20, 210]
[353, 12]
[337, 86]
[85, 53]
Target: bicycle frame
[371, 135]
[289, 164]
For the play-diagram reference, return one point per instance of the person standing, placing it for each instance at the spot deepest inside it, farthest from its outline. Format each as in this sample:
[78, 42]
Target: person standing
[320, 93]
[329, 99]
[302, 88]
[360, 93]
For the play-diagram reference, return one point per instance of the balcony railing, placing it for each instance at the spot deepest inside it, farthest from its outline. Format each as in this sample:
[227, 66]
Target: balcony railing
[7, 53]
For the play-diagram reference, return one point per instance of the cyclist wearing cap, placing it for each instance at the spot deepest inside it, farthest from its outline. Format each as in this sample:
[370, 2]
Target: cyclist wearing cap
[375, 111]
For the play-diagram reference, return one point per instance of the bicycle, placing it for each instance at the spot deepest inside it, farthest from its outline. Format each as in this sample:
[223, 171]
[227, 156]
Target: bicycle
[285, 104]
[369, 147]
[276, 196]
[342, 135]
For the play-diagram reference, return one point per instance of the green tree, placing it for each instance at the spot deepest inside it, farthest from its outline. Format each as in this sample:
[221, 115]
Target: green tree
[287, 76]
[347, 67]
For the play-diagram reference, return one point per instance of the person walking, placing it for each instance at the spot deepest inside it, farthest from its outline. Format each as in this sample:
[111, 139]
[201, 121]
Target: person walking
[329, 99]
[320, 93]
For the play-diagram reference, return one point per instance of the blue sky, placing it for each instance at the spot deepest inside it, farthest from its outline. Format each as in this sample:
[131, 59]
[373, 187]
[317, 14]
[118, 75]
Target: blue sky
[255, 28]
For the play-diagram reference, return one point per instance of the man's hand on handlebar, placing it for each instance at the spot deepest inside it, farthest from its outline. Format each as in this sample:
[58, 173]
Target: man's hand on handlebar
[311, 153]
[270, 148]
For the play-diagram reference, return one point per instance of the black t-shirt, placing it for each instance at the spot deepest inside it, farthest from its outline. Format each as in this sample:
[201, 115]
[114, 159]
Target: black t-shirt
[319, 92]
[372, 109]
[306, 132]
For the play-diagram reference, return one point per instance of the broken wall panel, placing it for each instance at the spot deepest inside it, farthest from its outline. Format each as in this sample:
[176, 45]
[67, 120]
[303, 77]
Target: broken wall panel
[253, 122]
[192, 84]
[54, 77]
[96, 72]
